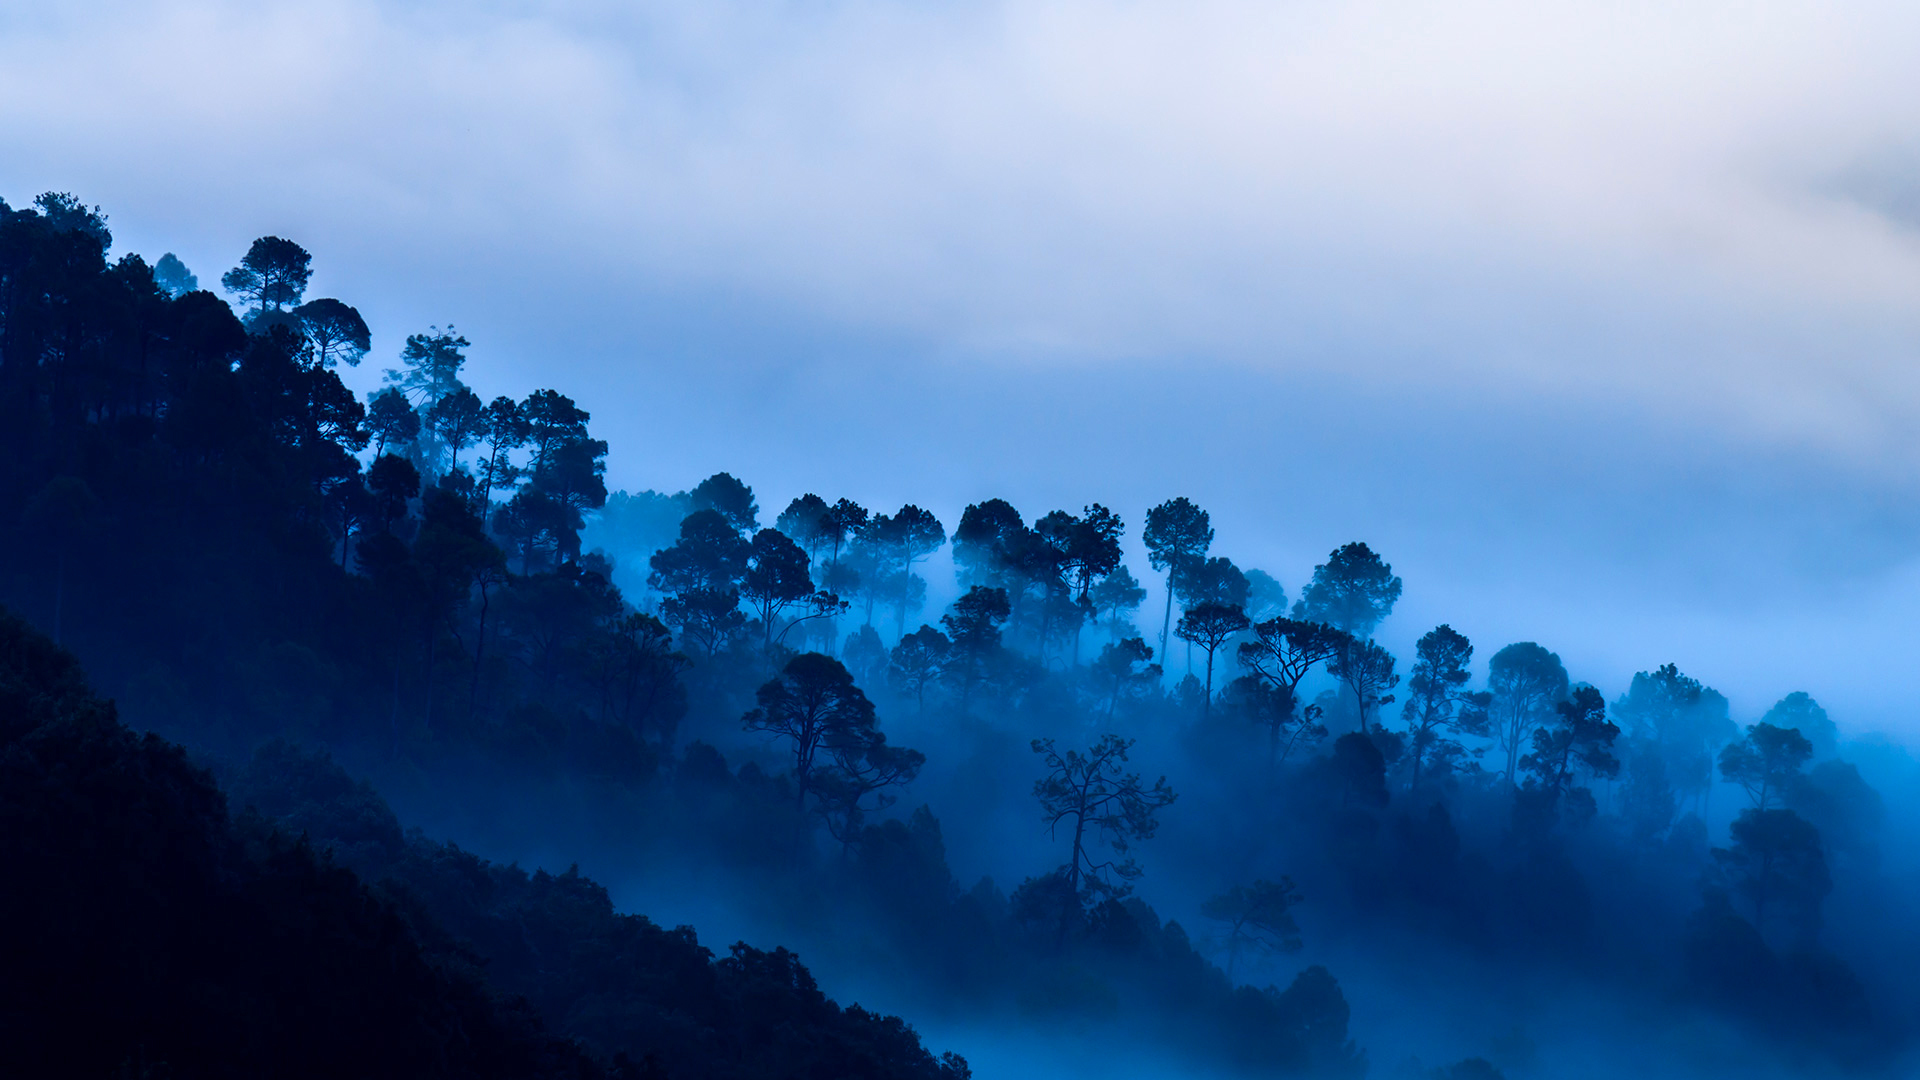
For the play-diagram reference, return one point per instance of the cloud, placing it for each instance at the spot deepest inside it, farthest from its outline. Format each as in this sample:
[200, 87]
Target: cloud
[1653, 203]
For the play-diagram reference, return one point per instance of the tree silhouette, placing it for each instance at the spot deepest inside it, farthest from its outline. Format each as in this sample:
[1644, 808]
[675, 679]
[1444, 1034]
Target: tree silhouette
[813, 705]
[392, 421]
[272, 276]
[430, 366]
[1776, 863]
[1581, 740]
[1366, 669]
[701, 573]
[1122, 670]
[1209, 626]
[733, 500]
[918, 661]
[776, 579]
[1439, 708]
[1101, 803]
[1526, 681]
[1766, 762]
[1256, 918]
[974, 628]
[1353, 590]
[338, 333]
[1176, 532]
[1284, 652]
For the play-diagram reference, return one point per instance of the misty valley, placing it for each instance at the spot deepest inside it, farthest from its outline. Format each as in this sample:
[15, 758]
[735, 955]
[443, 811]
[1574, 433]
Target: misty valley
[367, 734]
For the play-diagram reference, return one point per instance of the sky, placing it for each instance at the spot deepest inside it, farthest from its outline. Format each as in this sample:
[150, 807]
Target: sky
[1600, 321]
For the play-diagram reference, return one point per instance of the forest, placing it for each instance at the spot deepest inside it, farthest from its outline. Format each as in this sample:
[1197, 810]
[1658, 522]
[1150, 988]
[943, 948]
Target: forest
[372, 734]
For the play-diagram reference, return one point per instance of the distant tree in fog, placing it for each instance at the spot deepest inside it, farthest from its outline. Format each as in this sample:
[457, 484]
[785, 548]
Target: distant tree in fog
[917, 662]
[1209, 625]
[1354, 590]
[1440, 710]
[1256, 918]
[1176, 531]
[1526, 681]
[1092, 798]
[1766, 762]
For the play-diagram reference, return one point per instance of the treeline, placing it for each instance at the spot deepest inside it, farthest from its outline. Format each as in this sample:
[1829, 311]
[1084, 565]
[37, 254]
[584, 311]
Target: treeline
[432, 585]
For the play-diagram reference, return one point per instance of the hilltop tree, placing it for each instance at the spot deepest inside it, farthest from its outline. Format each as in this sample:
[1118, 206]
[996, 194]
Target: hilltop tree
[430, 366]
[1766, 762]
[1439, 707]
[814, 706]
[1210, 625]
[1101, 803]
[731, 498]
[1256, 918]
[1177, 531]
[806, 522]
[1526, 681]
[338, 333]
[1284, 652]
[172, 275]
[272, 276]
[1800, 712]
[1353, 590]
[905, 538]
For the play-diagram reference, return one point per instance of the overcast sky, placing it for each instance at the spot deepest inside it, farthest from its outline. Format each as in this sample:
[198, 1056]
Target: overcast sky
[1601, 321]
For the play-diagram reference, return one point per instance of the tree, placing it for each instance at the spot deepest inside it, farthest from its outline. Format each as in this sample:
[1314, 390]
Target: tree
[1526, 681]
[1367, 670]
[1257, 918]
[1123, 669]
[1799, 711]
[985, 540]
[172, 275]
[701, 575]
[864, 766]
[393, 481]
[806, 522]
[776, 579]
[918, 660]
[1114, 598]
[1581, 740]
[338, 333]
[459, 420]
[973, 625]
[272, 276]
[1176, 531]
[1439, 708]
[1266, 598]
[1209, 625]
[1282, 653]
[391, 419]
[813, 705]
[430, 366]
[1354, 590]
[731, 498]
[507, 430]
[1776, 863]
[1101, 803]
[1684, 720]
[847, 519]
[904, 539]
[1766, 762]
